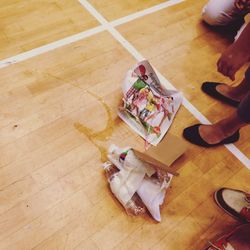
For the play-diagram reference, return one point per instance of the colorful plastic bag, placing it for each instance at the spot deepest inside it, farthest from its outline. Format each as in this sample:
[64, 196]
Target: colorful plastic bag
[148, 107]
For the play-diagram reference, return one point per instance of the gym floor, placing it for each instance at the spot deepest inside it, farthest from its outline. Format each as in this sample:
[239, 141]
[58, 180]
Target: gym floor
[62, 63]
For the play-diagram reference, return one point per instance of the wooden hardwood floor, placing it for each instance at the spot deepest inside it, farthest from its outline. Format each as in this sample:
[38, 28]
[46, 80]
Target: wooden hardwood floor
[53, 193]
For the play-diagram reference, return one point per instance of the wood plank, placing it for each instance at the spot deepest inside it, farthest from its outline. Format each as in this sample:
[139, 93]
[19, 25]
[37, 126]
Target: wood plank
[30, 24]
[112, 9]
[53, 192]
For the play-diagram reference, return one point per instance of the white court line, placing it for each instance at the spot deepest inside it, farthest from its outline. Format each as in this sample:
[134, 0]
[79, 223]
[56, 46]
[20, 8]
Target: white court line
[132, 50]
[145, 12]
[51, 46]
[74, 38]
[109, 26]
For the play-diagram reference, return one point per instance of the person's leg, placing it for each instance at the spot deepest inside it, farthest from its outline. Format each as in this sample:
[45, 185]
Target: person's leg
[239, 239]
[224, 128]
[224, 131]
[221, 12]
[237, 204]
[243, 109]
[236, 93]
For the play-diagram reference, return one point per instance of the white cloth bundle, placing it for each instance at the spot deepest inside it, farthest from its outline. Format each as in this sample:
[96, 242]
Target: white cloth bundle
[135, 176]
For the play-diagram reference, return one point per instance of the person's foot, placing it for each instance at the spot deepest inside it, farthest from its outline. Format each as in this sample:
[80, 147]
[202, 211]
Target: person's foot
[207, 136]
[225, 131]
[222, 92]
[220, 244]
[213, 134]
[236, 239]
[234, 202]
[230, 92]
[223, 243]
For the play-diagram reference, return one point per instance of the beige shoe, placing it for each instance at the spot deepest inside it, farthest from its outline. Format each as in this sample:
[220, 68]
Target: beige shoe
[234, 202]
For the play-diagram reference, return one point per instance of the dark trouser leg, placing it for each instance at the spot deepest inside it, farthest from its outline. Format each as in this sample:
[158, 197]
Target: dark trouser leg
[244, 107]
[240, 239]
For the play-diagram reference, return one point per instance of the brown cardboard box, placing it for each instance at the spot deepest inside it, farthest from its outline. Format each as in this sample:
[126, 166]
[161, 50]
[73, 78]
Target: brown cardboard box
[165, 153]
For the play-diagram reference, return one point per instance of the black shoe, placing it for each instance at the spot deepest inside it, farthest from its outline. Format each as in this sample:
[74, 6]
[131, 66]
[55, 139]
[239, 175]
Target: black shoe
[210, 89]
[192, 135]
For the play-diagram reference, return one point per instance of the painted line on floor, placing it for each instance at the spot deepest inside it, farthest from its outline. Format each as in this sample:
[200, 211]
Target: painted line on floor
[51, 46]
[145, 12]
[202, 119]
[80, 36]
[136, 54]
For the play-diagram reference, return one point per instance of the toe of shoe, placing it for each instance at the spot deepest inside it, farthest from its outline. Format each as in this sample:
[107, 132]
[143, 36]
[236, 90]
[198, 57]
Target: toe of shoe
[191, 133]
[209, 87]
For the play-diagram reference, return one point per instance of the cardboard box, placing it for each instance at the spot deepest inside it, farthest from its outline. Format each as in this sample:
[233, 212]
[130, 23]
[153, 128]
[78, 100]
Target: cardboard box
[165, 153]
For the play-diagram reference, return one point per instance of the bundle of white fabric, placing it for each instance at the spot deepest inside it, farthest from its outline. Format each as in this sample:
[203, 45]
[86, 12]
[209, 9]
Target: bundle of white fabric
[134, 177]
